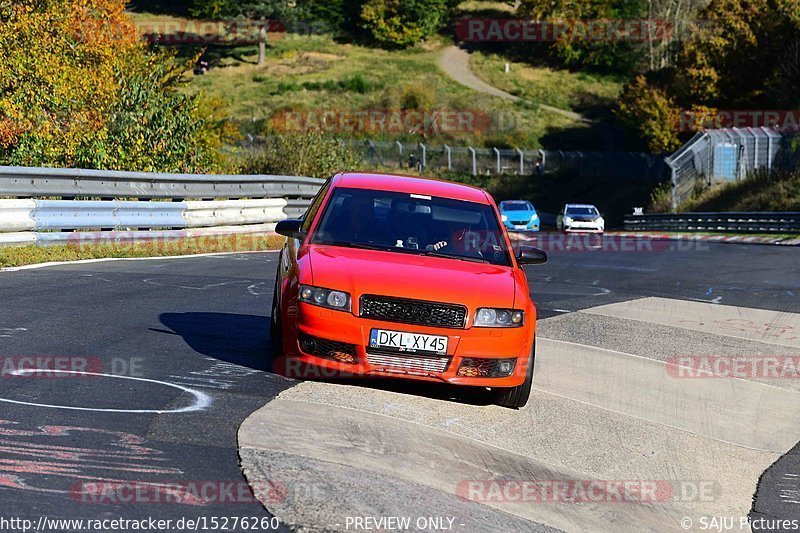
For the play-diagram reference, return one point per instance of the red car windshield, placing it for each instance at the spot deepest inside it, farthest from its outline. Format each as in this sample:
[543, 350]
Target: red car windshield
[411, 223]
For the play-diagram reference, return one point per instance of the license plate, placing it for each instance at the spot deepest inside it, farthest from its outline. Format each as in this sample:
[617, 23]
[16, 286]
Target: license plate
[522, 226]
[407, 342]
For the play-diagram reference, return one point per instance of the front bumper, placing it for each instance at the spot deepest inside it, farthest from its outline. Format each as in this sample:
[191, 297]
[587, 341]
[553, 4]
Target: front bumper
[584, 227]
[338, 326]
[529, 226]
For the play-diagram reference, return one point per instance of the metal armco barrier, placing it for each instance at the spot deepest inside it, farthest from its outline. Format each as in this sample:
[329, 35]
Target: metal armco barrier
[67, 182]
[215, 204]
[22, 215]
[716, 222]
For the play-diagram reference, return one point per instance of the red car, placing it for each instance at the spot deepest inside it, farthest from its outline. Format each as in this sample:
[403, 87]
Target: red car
[407, 277]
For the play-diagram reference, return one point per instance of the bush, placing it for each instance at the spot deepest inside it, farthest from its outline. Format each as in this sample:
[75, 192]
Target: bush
[661, 199]
[307, 154]
[403, 23]
[650, 115]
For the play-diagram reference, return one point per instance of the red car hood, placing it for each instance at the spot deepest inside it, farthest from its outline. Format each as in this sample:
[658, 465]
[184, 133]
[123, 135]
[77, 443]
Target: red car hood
[408, 276]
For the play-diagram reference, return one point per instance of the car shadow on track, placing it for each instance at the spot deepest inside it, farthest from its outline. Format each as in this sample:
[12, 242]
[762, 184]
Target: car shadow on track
[244, 340]
[239, 339]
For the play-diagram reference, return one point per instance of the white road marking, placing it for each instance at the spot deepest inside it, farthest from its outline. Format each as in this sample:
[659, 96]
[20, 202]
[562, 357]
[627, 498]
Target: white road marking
[201, 399]
[8, 332]
[252, 289]
[202, 288]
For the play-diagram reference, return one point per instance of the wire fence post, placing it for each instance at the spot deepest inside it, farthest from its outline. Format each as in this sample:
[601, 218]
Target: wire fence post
[474, 161]
[424, 160]
[399, 152]
[769, 152]
[449, 157]
[497, 155]
[521, 162]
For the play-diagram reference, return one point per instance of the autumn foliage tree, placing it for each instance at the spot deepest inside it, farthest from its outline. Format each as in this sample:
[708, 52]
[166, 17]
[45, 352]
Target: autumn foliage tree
[79, 89]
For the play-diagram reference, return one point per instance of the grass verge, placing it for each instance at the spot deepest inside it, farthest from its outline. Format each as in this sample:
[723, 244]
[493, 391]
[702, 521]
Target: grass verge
[309, 73]
[580, 92]
[777, 191]
[11, 256]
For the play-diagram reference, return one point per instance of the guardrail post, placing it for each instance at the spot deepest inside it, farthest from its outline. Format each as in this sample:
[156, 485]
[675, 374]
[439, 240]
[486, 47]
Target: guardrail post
[521, 161]
[673, 179]
[449, 157]
[474, 161]
[497, 155]
[424, 160]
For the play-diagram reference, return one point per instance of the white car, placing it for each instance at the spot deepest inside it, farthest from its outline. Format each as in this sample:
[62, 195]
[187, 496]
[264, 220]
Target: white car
[581, 217]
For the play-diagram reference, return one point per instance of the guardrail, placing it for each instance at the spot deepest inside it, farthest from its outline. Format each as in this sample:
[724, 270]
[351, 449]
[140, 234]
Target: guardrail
[68, 182]
[103, 200]
[716, 222]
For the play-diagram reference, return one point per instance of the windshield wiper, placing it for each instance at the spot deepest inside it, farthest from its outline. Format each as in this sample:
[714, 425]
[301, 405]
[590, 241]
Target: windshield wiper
[360, 246]
[431, 253]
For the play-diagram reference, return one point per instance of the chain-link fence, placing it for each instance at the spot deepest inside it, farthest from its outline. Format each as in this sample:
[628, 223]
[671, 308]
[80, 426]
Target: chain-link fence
[502, 161]
[724, 155]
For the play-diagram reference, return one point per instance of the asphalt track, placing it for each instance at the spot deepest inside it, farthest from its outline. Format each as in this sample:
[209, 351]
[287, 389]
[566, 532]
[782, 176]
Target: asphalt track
[201, 324]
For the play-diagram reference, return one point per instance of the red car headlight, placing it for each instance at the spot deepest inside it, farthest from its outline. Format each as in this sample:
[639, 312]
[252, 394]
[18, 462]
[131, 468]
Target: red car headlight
[488, 317]
[328, 298]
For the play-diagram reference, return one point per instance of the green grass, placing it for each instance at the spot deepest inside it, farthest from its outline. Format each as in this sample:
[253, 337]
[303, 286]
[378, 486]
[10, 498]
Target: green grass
[11, 256]
[779, 191]
[572, 91]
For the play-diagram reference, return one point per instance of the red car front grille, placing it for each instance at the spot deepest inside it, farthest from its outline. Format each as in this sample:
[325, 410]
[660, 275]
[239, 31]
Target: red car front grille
[408, 311]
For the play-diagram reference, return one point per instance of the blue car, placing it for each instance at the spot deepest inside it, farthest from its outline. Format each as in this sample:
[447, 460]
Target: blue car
[519, 215]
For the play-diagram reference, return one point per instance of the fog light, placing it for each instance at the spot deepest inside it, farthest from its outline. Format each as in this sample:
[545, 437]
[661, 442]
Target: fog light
[505, 367]
[486, 368]
[307, 344]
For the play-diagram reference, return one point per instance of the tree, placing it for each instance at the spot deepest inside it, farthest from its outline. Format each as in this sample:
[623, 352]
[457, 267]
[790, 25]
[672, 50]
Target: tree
[650, 114]
[341, 17]
[578, 47]
[77, 88]
[740, 49]
[402, 23]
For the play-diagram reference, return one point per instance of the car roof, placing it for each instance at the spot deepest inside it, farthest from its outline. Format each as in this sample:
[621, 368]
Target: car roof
[580, 205]
[515, 202]
[411, 185]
